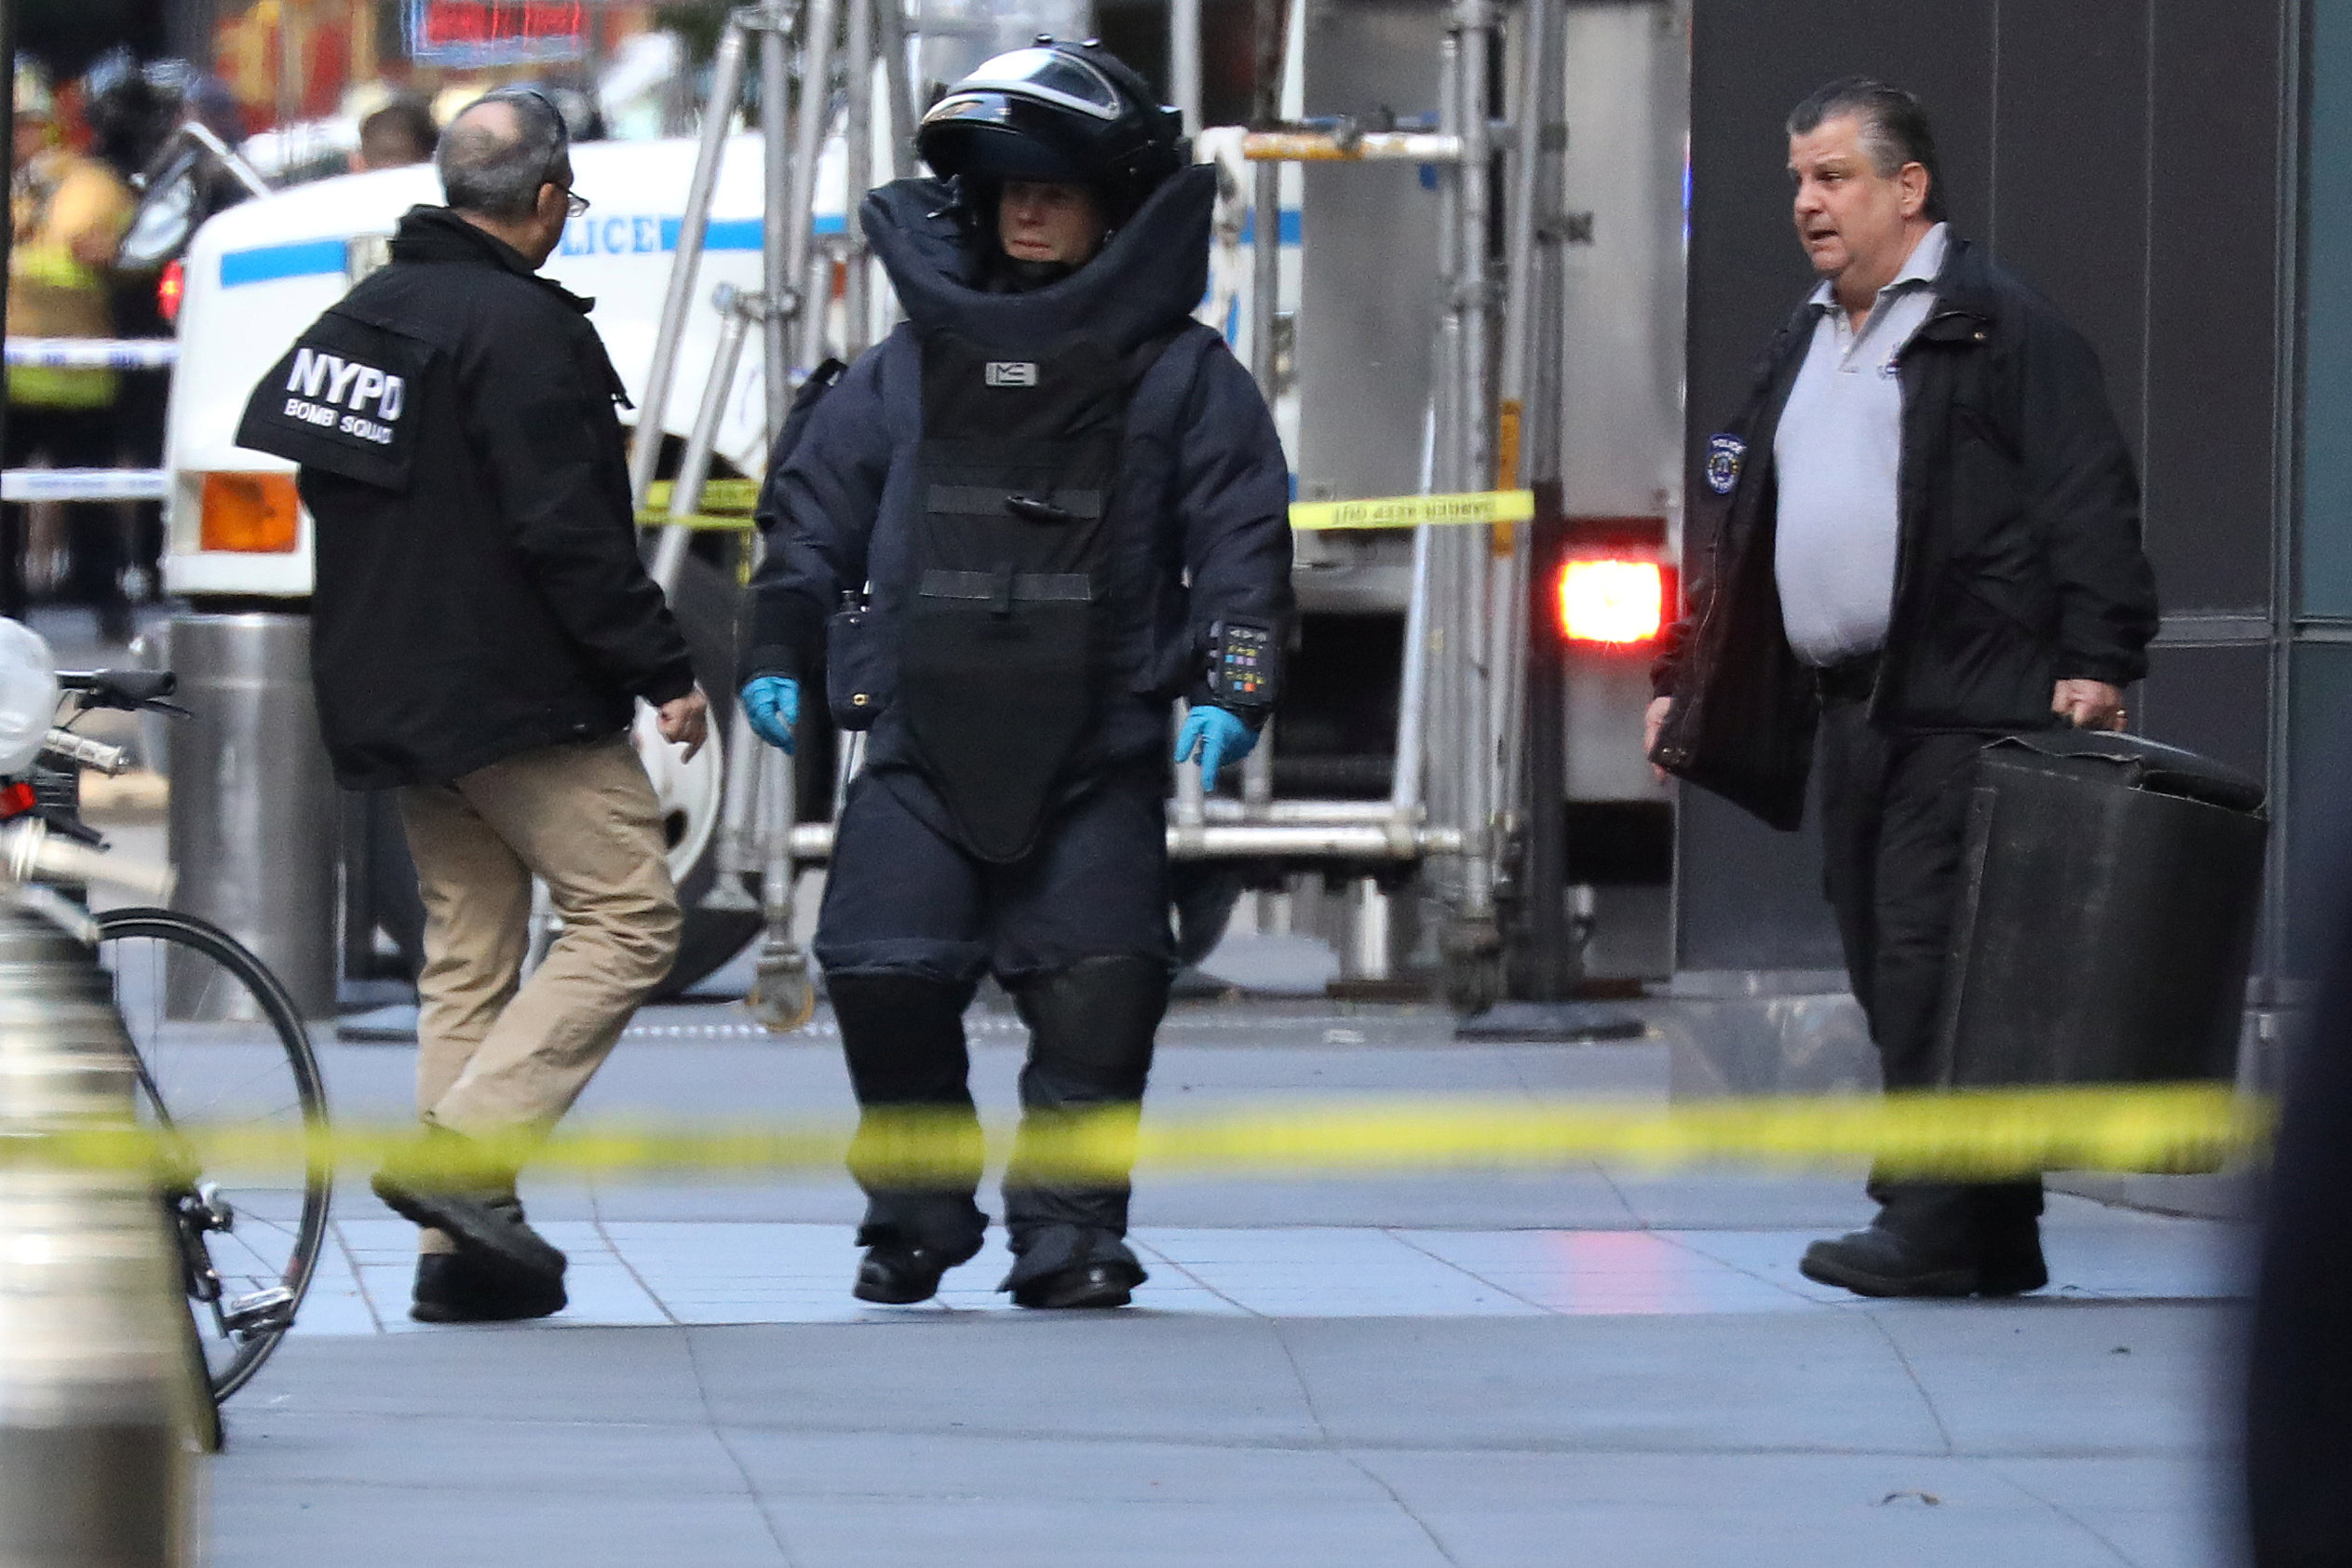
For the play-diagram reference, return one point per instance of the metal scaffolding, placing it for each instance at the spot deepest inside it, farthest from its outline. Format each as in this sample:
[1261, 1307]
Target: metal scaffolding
[1456, 803]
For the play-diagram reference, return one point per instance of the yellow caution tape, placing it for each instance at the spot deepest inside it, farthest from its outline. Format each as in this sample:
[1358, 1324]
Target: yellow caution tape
[726, 505]
[724, 497]
[1977, 1134]
[1415, 511]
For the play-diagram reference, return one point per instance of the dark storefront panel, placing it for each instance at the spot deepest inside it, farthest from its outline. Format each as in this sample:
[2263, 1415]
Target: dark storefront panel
[2326, 555]
[2210, 462]
[1747, 898]
[2070, 187]
[2319, 848]
[2215, 700]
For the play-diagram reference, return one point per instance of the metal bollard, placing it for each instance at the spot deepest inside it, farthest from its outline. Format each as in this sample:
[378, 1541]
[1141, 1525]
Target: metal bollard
[96, 1386]
[254, 814]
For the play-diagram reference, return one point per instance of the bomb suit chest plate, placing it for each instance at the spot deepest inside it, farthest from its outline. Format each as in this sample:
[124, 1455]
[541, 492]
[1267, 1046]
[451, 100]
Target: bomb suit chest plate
[1002, 656]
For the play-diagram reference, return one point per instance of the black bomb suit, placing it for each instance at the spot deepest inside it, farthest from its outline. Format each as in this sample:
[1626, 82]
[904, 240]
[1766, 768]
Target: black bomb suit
[1052, 498]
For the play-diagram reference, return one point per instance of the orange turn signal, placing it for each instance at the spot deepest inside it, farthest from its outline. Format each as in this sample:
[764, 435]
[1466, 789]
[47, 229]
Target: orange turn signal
[1616, 602]
[258, 513]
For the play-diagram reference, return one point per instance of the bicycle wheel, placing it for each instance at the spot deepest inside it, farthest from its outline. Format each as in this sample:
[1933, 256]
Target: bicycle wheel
[221, 1045]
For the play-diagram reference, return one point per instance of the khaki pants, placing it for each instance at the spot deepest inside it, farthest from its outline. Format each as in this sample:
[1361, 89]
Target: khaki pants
[493, 1053]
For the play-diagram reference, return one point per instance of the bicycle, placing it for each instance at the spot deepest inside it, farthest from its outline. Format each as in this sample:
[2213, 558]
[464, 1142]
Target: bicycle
[217, 1041]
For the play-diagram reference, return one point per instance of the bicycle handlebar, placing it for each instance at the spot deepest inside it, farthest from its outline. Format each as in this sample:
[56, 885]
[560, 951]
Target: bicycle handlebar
[29, 852]
[68, 747]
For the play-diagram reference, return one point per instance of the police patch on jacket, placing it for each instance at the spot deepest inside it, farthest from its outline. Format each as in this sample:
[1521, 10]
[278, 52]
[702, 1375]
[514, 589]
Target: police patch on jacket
[345, 399]
[1724, 453]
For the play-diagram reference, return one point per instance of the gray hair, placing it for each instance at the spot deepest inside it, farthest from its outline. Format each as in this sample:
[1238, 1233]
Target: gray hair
[494, 172]
[1895, 129]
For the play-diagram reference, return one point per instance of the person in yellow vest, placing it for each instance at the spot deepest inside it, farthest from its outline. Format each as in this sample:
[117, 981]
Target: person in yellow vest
[69, 212]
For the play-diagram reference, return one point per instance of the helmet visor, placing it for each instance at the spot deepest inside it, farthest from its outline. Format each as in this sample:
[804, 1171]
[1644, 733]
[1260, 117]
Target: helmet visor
[1049, 77]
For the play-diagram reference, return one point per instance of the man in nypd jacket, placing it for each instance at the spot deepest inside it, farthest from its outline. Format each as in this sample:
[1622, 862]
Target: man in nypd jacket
[1013, 533]
[481, 630]
[1921, 531]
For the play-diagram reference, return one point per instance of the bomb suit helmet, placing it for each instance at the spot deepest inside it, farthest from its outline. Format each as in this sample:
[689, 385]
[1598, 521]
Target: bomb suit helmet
[1060, 112]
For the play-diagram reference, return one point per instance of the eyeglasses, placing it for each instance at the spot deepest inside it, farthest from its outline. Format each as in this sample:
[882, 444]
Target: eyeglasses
[573, 202]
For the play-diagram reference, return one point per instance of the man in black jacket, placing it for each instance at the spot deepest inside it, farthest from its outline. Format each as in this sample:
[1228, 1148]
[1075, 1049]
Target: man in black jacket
[1925, 531]
[481, 630]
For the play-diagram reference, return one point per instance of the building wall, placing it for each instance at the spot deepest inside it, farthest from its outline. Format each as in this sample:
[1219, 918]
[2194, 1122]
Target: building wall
[2134, 160]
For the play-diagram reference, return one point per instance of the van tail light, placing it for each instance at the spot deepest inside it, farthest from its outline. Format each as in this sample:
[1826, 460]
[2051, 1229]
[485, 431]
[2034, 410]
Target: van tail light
[257, 513]
[1614, 603]
[170, 289]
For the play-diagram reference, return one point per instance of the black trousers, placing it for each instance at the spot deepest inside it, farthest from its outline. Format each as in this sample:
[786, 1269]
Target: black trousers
[96, 543]
[1894, 815]
[1077, 932]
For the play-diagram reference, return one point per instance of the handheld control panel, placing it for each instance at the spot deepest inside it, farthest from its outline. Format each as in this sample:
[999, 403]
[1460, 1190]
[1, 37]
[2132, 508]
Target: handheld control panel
[1241, 657]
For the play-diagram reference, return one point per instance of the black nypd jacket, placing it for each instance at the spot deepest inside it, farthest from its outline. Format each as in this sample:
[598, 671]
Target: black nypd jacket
[1199, 501]
[479, 588]
[2018, 563]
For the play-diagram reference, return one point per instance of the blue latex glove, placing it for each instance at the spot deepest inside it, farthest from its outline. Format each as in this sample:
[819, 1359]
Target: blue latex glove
[773, 704]
[1217, 736]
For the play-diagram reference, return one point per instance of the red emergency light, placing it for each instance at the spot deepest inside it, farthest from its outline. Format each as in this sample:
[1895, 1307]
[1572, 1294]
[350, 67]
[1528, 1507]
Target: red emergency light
[169, 288]
[1612, 603]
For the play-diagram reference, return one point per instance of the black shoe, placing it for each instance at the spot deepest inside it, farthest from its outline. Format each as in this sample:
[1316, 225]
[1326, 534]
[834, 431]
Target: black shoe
[455, 1287]
[1881, 1263]
[1095, 1284]
[2013, 1267]
[897, 1274]
[488, 1227]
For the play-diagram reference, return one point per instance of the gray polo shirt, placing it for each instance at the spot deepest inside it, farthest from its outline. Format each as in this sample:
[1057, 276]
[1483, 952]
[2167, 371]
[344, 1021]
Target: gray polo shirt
[1837, 456]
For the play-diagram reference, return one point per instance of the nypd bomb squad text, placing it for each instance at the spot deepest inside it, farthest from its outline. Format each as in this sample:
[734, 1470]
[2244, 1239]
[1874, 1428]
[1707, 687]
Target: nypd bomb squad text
[350, 383]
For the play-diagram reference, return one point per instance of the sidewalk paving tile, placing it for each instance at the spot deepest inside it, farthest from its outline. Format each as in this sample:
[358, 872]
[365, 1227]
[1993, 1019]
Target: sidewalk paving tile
[1080, 1377]
[1603, 1271]
[1791, 1380]
[2101, 1377]
[982, 1532]
[951, 1465]
[483, 1453]
[279, 1525]
[1908, 1534]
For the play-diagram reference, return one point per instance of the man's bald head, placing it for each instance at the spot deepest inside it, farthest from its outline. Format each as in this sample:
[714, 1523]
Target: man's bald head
[498, 152]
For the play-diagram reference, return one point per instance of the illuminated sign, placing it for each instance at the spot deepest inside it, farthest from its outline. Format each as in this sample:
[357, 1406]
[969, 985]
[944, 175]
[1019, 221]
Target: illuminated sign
[471, 34]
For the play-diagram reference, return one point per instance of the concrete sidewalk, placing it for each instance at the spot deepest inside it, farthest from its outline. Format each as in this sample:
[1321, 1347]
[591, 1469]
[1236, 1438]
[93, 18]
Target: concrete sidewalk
[1590, 1367]
[1949, 1433]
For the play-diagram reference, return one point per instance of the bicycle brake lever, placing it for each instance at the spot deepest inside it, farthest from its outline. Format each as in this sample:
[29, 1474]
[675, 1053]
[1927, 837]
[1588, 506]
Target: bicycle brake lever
[67, 826]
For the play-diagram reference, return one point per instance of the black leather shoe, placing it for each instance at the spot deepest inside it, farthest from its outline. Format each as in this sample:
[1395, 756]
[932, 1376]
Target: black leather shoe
[2012, 1268]
[487, 1226]
[897, 1274]
[1881, 1262]
[455, 1287]
[1097, 1284]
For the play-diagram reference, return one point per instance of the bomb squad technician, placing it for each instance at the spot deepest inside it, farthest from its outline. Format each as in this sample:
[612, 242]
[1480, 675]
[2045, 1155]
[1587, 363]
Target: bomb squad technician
[1014, 533]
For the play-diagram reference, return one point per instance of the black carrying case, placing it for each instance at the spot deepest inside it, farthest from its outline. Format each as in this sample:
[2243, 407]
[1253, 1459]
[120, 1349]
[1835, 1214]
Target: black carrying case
[2111, 888]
